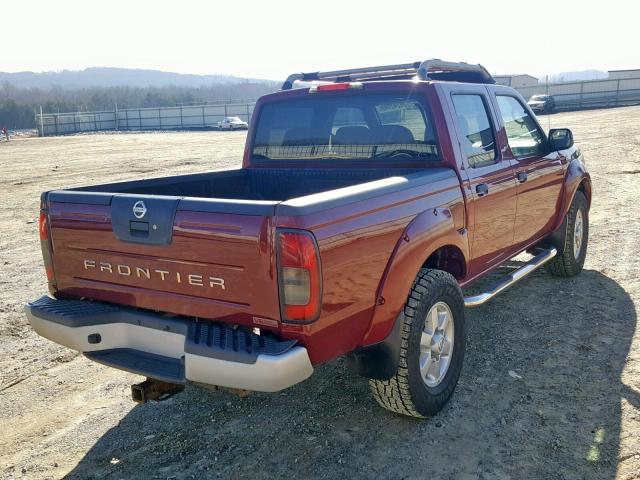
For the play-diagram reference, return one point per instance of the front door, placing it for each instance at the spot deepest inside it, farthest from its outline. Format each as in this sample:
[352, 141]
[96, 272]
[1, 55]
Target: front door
[491, 180]
[539, 173]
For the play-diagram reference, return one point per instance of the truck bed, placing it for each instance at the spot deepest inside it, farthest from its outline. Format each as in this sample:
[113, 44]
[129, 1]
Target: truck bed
[204, 247]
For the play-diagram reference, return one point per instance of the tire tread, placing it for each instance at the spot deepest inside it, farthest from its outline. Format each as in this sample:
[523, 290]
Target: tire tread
[395, 394]
[564, 265]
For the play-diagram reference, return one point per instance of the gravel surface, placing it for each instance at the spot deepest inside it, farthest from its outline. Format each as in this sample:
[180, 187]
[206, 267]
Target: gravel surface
[550, 388]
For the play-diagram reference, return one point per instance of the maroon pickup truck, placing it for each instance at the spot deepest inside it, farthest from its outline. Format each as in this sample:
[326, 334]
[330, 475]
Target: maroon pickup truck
[366, 200]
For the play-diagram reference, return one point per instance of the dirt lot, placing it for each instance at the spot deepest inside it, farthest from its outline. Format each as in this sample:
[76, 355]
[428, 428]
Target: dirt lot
[569, 409]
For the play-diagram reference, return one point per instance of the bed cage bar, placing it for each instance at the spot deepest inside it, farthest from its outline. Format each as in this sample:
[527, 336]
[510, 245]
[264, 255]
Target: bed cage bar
[433, 69]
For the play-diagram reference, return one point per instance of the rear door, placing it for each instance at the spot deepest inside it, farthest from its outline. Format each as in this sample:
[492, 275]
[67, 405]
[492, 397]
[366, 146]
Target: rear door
[195, 257]
[539, 173]
[491, 179]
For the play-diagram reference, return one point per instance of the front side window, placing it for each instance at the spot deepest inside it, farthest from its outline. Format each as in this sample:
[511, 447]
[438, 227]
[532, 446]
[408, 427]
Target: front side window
[524, 135]
[351, 127]
[477, 140]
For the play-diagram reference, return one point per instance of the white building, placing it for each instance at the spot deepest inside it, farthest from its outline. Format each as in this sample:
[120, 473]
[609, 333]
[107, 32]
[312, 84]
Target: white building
[623, 74]
[516, 81]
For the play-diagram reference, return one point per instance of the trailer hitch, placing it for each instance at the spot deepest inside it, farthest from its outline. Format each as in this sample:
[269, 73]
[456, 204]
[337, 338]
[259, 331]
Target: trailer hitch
[152, 389]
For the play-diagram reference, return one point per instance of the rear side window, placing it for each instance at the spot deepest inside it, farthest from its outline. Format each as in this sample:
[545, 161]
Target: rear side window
[320, 126]
[525, 137]
[477, 140]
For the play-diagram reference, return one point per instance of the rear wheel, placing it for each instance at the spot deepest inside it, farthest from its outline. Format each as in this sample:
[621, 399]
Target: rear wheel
[432, 348]
[574, 239]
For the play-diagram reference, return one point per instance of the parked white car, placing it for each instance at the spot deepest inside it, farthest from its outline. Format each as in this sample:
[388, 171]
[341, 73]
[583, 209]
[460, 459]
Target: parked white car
[232, 123]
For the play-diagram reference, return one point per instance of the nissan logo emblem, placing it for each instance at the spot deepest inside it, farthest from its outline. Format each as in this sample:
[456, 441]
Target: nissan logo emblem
[139, 209]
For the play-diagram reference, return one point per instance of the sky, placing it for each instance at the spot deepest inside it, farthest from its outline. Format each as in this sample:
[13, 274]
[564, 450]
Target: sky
[271, 39]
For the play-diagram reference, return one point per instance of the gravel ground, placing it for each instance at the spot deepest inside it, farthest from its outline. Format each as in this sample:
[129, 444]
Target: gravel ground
[550, 388]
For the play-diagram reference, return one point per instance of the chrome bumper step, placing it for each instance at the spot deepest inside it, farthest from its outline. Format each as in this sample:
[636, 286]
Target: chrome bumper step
[174, 350]
[505, 282]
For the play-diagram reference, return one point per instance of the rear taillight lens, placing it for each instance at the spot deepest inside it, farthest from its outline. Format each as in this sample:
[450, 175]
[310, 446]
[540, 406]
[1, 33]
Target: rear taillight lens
[43, 226]
[299, 276]
[47, 249]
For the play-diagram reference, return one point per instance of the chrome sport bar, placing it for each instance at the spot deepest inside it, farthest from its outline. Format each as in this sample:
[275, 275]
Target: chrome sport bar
[433, 69]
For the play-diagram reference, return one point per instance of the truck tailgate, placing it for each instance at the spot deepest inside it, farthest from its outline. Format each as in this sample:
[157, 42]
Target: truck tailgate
[195, 257]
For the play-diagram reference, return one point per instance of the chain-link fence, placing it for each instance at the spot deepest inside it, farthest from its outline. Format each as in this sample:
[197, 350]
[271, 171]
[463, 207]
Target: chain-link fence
[141, 119]
[589, 94]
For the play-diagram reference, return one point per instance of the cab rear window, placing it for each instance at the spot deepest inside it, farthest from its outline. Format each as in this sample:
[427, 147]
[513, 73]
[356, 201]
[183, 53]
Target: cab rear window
[353, 127]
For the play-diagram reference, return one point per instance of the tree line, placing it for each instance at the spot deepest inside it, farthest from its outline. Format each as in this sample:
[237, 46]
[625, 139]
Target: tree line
[18, 106]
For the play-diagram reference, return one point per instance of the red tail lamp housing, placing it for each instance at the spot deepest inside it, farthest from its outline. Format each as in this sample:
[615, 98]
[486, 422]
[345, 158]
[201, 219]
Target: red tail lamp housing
[299, 276]
[43, 226]
[47, 248]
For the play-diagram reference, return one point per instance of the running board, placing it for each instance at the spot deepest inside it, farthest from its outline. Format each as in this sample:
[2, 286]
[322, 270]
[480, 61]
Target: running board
[505, 282]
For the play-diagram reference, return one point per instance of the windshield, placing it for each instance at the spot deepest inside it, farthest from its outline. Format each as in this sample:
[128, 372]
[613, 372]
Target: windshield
[233, 119]
[539, 97]
[355, 127]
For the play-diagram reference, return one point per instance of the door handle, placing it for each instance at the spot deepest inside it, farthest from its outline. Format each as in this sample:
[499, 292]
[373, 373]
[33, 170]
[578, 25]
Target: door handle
[482, 189]
[521, 176]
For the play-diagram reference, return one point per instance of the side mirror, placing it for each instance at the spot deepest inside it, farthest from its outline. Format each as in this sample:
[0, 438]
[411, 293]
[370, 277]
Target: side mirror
[560, 139]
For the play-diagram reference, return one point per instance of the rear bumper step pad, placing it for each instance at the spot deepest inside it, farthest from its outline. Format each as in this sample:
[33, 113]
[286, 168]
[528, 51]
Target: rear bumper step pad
[174, 350]
[166, 369]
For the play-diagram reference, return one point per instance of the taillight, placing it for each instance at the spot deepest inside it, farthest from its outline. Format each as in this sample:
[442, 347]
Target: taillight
[43, 226]
[47, 249]
[299, 276]
[332, 87]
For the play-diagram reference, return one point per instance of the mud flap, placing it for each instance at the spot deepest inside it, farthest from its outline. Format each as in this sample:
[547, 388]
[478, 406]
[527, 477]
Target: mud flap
[380, 360]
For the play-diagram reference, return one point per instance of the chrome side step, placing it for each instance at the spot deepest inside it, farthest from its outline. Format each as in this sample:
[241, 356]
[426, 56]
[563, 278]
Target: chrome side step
[505, 282]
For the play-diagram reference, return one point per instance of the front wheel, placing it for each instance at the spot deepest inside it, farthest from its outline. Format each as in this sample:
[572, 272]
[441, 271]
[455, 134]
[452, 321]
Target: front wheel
[574, 238]
[431, 351]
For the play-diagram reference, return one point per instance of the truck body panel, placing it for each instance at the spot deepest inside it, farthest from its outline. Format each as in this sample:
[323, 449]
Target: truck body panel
[203, 272]
[356, 242]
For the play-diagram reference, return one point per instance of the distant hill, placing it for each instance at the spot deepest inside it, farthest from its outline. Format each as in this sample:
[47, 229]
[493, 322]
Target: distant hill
[576, 76]
[116, 77]
[93, 89]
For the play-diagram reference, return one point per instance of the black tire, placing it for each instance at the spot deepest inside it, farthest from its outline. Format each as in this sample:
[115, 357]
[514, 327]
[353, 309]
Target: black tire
[566, 264]
[406, 392]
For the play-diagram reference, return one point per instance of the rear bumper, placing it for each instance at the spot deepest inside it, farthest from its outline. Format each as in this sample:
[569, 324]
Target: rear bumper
[170, 349]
